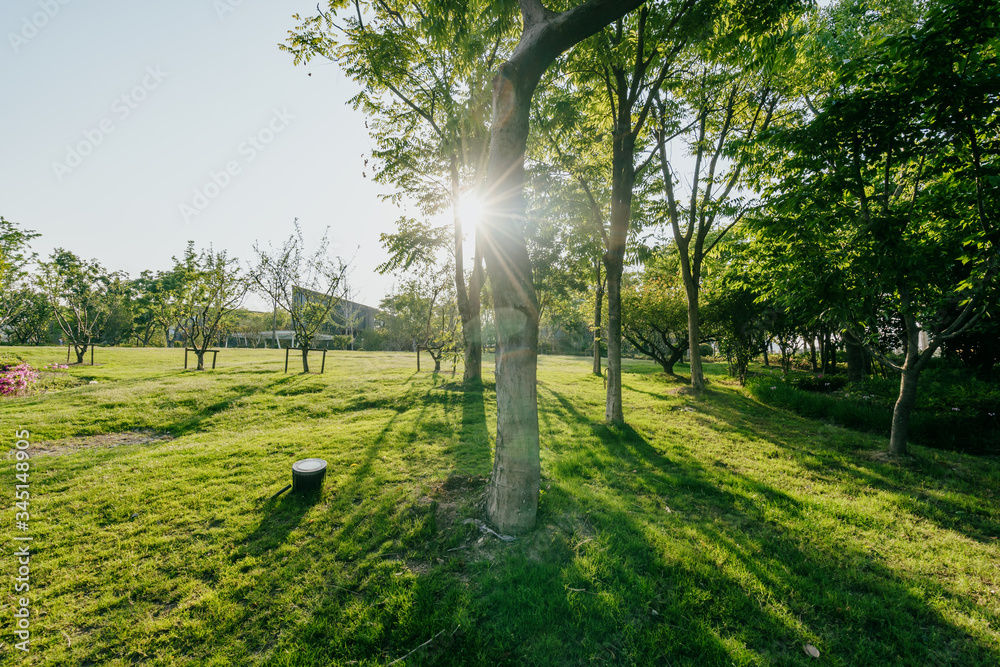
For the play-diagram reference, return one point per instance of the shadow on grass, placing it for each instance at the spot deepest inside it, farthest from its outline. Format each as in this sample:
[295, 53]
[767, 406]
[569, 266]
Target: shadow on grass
[611, 575]
[734, 553]
[912, 479]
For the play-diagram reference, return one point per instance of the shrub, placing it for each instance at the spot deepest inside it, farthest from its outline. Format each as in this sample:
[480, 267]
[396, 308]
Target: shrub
[960, 413]
[372, 340]
[17, 379]
[340, 342]
[821, 383]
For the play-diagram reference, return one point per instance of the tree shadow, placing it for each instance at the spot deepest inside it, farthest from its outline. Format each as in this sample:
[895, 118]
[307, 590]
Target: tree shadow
[919, 481]
[739, 534]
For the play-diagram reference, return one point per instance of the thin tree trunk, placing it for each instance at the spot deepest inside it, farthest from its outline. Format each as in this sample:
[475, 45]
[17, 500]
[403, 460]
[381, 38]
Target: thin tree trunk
[902, 411]
[201, 359]
[468, 299]
[274, 325]
[831, 355]
[694, 335]
[613, 412]
[855, 358]
[305, 359]
[909, 374]
[80, 352]
[622, 183]
[598, 325]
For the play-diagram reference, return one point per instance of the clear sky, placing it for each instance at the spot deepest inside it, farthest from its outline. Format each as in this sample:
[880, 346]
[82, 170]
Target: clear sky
[129, 127]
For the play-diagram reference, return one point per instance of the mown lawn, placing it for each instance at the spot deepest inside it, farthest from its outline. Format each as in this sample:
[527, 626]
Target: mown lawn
[713, 530]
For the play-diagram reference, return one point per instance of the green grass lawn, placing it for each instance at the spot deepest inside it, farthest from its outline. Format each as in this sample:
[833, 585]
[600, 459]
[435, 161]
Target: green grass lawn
[713, 530]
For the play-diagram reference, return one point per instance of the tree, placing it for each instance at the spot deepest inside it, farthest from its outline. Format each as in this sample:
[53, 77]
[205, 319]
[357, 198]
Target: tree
[654, 313]
[895, 170]
[424, 90]
[512, 497]
[83, 297]
[32, 323]
[737, 316]
[632, 59]
[14, 257]
[716, 110]
[209, 289]
[422, 313]
[307, 286]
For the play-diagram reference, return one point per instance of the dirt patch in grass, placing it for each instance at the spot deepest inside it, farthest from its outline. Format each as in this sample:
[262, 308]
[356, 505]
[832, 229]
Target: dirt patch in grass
[452, 498]
[106, 441]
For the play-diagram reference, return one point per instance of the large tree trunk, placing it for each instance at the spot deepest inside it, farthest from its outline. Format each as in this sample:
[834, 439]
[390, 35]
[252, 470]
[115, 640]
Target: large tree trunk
[80, 352]
[512, 497]
[201, 360]
[668, 364]
[598, 325]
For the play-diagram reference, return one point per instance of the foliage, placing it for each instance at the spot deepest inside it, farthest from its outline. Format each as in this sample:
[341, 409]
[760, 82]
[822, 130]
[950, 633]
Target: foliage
[14, 258]
[821, 383]
[654, 312]
[953, 412]
[32, 324]
[83, 297]
[306, 286]
[16, 379]
[890, 182]
[340, 342]
[421, 313]
[207, 290]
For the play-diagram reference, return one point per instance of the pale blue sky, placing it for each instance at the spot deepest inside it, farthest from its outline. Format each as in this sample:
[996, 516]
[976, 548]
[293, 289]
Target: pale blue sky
[159, 96]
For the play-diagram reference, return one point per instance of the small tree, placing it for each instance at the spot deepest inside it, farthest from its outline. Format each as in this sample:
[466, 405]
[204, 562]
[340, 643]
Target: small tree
[82, 295]
[13, 259]
[308, 286]
[422, 313]
[210, 288]
[31, 325]
[654, 313]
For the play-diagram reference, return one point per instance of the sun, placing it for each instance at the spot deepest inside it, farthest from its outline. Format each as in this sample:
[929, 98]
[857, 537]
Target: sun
[471, 208]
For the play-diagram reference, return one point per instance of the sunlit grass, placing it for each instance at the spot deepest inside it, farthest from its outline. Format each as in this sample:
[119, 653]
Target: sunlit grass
[713, 530]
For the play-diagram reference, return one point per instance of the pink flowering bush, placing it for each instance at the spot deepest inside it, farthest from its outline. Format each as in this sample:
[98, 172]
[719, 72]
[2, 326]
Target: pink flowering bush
[17, 379]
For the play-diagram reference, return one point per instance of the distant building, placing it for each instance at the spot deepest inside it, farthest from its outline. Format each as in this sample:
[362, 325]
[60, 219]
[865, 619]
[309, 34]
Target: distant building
[347, 318]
